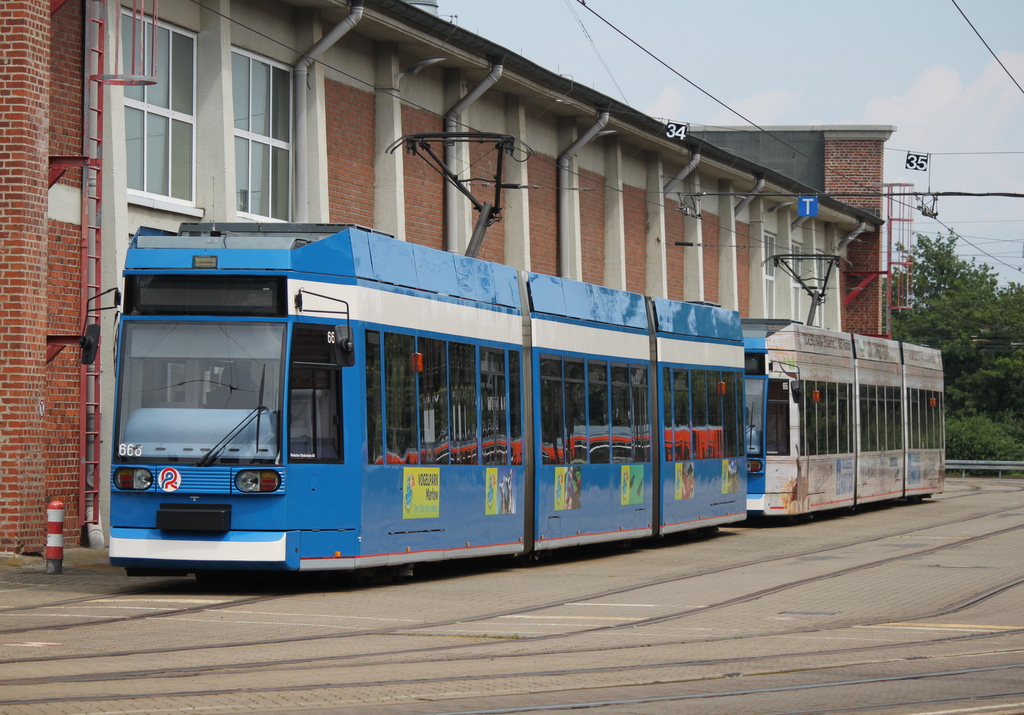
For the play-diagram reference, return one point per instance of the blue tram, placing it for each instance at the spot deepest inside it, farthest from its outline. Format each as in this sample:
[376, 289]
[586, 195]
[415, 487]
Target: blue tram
[835, 420]
[324, 397]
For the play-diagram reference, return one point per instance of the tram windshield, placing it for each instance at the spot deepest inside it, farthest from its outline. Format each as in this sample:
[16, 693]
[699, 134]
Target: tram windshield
[754, 430]
[185, 387]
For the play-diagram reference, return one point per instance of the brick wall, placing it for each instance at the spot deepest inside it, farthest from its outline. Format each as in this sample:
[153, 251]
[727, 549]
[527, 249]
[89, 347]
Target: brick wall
[710, 231]
[424, 187]
[543, 214]
[350, 153]
[24, 136]
[634, 205]
[674, 255]
[853, 166]
[592, 226]
[63, 271]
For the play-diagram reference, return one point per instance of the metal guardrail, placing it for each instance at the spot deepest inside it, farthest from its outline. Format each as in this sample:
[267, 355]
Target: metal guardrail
[972, 465]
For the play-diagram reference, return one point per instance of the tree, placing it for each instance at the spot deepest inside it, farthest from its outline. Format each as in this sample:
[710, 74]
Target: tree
[960, 308]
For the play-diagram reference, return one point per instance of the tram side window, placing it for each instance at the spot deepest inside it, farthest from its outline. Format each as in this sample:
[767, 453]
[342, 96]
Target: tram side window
[681, 414]
[515, 406]
[493, 406]
[622, 441]
[434, 445]
[552, 439]
[667, 414]
[640, 416]
[732, 409]
[314, 417]
[597, 412]
[374, 403]
[867, 418]
[845, 445]
[916, 418]
[400, 399]
[575, 411]
[699, 400]
[463, 372]
[777, 427]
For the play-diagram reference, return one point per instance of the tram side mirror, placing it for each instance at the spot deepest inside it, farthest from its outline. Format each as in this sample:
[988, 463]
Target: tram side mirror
[90, 343]
[796, 389]
[344, 347]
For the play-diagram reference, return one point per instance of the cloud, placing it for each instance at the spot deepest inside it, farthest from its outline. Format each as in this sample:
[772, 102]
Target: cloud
[970, 126]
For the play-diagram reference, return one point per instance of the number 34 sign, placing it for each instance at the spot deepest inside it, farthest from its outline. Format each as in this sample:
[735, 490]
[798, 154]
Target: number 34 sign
[917, 162]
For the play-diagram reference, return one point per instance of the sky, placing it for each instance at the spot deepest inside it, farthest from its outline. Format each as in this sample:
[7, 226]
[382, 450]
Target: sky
[921, 66]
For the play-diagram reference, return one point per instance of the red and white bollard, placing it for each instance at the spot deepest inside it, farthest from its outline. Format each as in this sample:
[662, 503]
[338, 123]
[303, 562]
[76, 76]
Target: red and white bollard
[55, 537]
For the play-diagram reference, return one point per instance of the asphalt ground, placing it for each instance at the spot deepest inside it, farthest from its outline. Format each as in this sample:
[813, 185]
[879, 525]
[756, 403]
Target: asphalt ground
[900, 608]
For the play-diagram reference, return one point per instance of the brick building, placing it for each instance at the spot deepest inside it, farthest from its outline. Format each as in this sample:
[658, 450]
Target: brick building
[294, 110]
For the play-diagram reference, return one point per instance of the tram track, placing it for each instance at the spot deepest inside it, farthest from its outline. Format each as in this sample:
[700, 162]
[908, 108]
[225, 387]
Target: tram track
[170, 613]
[416, 655]
[537, 675]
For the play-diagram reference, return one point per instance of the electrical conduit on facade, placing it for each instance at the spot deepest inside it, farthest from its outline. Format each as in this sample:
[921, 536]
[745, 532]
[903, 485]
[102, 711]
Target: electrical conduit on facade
[451, 124]
[563, 190]
[300, 73]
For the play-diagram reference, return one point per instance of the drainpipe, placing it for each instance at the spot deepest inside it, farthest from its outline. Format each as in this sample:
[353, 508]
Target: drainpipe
[679, 178]
[750, 197]
[451, 124]
[798, 223]
[563, 188]
[848, 238]
[300, 73]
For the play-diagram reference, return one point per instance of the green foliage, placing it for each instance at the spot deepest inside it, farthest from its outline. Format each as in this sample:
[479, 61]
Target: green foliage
[960, 308]
[980, 437]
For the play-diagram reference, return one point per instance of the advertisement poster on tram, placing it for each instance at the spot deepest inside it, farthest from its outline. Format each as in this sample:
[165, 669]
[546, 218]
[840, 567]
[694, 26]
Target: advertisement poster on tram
[421, 493]
[684, 480]
[501, 493]
[631, 484]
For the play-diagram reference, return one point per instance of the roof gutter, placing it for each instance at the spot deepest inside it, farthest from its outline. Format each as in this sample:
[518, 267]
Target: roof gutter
[564, 222]
[300, 73]
[758, 187]
[451, 124]
[848, 238]
[680, 177]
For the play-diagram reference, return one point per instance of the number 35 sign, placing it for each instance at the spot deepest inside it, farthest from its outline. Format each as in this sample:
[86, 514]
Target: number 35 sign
[917, 162]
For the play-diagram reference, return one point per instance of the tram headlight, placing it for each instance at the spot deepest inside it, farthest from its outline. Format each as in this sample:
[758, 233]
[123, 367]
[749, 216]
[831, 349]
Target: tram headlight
[252, 481]
[133, 478]
[754, 465]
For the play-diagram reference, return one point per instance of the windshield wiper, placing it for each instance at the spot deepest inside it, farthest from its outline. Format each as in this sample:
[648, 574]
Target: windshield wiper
[215, 451]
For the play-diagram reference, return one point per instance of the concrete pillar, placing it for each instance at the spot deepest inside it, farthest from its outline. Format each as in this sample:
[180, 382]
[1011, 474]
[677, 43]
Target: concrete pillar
[215, 142]
[693, 255]
[570, 252]
[309, 32]
[755, 266]
[389, 168]
[464, 216]
[728, 295]
[657, 267]
[614, 217]
[516, 214]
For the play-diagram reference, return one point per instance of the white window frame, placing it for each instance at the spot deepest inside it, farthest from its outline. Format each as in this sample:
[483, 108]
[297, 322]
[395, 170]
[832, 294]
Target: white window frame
[274, 146]
[152, 111]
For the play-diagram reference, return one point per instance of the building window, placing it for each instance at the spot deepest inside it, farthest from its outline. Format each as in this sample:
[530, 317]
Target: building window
[160, 118]
[262, 109]
[769, 275]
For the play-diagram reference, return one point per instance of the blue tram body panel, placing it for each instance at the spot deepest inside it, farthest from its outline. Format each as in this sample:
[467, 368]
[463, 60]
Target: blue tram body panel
[704, 473]
[327, 397]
